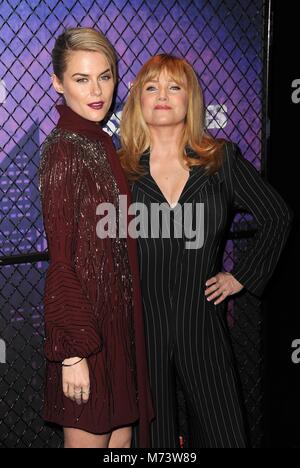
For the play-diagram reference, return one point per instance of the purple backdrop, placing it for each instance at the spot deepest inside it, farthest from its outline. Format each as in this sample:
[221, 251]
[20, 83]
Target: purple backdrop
[223, 40]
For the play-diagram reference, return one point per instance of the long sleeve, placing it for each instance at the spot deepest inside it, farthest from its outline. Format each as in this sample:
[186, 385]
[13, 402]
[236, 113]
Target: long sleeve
[273, 218]
[70, 326]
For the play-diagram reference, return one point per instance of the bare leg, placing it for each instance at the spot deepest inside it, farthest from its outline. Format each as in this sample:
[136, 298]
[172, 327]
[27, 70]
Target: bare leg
[121, 438]
[76, 438]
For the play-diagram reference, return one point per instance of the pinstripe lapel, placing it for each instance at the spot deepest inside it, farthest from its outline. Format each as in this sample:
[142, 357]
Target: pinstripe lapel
[198, 179]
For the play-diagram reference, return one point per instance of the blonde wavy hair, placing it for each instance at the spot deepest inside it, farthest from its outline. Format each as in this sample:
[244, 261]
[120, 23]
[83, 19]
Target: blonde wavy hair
[135, 134]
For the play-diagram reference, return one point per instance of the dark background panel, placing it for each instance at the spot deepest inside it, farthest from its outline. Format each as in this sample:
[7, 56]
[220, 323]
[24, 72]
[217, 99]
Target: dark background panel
[283, 318]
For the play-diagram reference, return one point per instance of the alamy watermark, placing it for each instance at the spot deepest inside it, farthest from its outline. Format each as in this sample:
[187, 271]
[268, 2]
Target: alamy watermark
[296, 352]
[3, 92]
[159, 220]
[296, 92]
[2, 352]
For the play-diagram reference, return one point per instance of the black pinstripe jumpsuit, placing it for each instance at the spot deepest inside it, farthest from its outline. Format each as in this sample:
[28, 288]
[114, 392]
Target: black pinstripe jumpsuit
[185, 334]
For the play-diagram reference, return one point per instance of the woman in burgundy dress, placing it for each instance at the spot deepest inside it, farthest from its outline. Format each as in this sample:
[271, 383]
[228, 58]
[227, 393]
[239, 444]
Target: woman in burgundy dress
[96, 377]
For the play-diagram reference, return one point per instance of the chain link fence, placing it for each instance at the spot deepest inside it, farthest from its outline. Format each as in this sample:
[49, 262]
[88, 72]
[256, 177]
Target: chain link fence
[227, 44]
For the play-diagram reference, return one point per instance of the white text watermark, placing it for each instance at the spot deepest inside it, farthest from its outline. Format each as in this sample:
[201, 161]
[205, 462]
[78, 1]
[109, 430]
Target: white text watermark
[159, 220]
[2, 352]
[296, 352]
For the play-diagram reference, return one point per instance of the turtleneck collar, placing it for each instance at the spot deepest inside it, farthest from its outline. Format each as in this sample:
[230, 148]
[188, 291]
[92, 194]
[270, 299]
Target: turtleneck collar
[73, 122]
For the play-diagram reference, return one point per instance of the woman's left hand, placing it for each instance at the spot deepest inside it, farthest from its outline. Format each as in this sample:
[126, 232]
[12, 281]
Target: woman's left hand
[222, 285]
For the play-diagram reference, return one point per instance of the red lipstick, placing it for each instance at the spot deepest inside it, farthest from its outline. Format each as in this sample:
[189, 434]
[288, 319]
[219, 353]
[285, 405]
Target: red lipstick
[96, 105]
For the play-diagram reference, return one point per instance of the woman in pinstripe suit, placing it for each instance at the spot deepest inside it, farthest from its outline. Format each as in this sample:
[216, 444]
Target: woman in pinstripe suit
[171, 162]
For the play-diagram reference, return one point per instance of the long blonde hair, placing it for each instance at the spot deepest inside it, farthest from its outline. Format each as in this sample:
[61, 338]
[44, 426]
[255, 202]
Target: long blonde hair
[135, 134]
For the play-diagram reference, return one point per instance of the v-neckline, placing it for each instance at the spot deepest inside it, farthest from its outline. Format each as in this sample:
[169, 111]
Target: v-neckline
[162, 193]
[153, 188]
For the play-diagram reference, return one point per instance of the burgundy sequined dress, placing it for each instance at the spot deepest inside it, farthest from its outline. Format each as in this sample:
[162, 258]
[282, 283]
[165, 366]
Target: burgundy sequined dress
[92, 299]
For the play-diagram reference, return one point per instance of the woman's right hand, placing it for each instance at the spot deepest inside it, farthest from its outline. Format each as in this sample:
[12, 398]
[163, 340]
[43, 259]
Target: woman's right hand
[76, 380]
